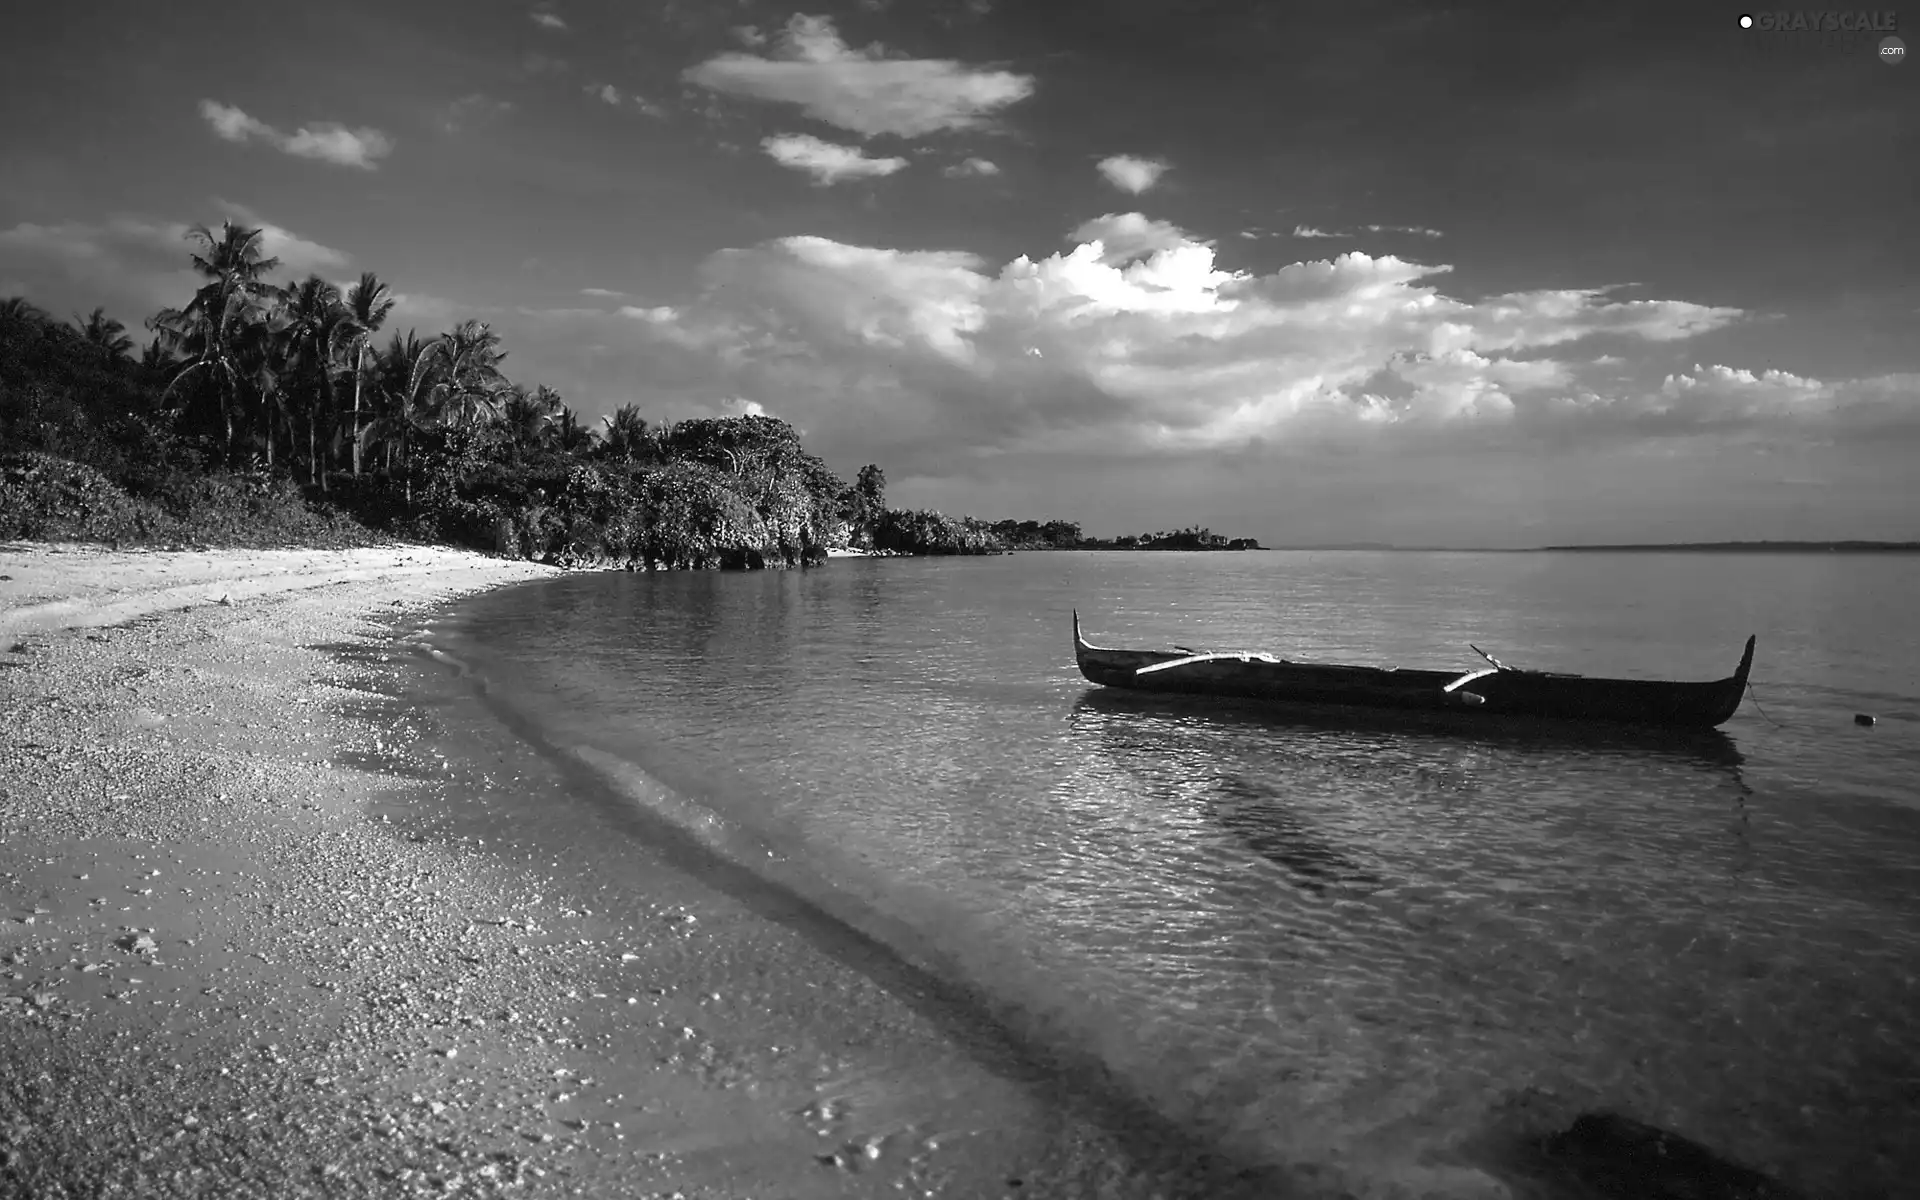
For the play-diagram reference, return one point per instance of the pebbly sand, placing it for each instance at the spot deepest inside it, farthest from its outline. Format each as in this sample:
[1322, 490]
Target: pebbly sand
[270, 926]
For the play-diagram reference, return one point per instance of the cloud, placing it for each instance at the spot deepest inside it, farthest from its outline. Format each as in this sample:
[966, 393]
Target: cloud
[474, 108]
[827, 162]
[1309, 231]
[547, 20]
[428, 312]
[1137, 341]
[606, 93]
[1131, 174]
[970, 166]
[535, 63]
[1124, 237]
[604, 293]
[327, 141]
[862, 91]
[297, 255]
[136, 264]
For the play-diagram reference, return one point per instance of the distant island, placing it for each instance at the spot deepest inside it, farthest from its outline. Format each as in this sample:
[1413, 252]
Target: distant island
[1066, 535]
[1764, 547]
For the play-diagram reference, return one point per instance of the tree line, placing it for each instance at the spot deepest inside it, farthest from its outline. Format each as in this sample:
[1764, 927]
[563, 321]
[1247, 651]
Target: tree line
[266, 413]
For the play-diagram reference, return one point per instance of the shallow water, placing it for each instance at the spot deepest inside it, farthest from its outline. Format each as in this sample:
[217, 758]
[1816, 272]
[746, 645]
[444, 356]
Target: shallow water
[1304, 943]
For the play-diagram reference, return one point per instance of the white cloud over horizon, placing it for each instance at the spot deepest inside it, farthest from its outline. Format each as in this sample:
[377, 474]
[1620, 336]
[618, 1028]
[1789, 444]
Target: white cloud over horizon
[863, 91]
[1138, 342]
[828, 162]
[1131, 174]
[971, 166]
[325, 141]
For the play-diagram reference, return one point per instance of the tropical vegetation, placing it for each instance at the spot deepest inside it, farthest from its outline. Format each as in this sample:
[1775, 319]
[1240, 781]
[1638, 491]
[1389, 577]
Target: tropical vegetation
[270, 413]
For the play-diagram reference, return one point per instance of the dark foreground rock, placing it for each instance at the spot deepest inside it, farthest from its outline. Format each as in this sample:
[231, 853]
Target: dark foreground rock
[1635, 1161]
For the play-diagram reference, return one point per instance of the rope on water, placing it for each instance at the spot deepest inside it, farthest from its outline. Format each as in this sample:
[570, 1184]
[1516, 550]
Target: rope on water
[1756, 704]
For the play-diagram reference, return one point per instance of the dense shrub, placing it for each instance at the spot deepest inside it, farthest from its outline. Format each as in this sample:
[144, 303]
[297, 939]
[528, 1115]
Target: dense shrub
[921, 531]
[46, 498]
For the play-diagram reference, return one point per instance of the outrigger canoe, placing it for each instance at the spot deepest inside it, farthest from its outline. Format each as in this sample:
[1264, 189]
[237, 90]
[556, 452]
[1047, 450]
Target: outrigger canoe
[1495, 691]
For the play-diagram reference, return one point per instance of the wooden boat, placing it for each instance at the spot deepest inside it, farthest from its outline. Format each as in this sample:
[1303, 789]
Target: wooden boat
[1495, 692]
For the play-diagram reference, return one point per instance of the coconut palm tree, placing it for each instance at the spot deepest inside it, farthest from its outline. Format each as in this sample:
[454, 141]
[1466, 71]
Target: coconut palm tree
[98, 329]
[19, 308]
[369, 304]
[467, 384]
[528, 418]
[628, 437]
[402, 384]
[222, 331]
[570, 435]
[156, 358]
[314, 322]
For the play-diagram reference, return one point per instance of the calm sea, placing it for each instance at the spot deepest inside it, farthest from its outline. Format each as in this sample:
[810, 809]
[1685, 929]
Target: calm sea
[1303, 942]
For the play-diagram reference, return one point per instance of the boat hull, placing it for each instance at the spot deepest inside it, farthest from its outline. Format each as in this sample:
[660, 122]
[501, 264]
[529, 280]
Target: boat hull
[1493, 694]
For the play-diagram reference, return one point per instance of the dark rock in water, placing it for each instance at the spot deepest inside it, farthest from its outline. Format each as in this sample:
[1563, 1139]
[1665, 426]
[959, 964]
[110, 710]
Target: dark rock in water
[1635, 1161]
[1863, 718]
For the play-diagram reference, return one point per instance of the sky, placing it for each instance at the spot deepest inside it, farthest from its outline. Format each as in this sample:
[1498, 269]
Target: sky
[1500, 274]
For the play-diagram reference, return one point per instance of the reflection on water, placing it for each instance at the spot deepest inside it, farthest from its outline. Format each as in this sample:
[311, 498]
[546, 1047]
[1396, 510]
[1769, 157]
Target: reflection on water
[1263, 821]
[1309, 940]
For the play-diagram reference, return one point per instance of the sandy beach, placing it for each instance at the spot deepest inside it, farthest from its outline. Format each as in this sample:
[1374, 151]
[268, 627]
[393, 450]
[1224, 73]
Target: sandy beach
[243, 956]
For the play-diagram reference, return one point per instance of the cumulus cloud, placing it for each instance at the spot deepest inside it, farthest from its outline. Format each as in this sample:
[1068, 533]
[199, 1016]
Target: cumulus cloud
[971, 166]
[547, 20]
[1419, 230]
[297, 254]
[1131, 174]
[604, 293]
[1308, 231]
[827, 162]
[327, 141]
[1124, 237]
[1136, 340]
[862, 90]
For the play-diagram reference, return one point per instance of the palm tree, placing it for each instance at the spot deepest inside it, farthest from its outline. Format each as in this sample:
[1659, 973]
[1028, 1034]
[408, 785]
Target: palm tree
[103, 331]
[156, 357]
[529, 418]
[467, 382]
[628, 436]
[19, 308]
[569, 434]
[403, 383]
[314, 320]
[369, 304]
[222, 330]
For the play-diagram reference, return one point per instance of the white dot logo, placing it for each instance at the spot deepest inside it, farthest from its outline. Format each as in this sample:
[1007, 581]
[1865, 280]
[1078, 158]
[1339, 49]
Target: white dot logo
[1746, 22]
[1893, 51]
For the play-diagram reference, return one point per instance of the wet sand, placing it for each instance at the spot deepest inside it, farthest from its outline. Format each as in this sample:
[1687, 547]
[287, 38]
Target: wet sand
[275, 922]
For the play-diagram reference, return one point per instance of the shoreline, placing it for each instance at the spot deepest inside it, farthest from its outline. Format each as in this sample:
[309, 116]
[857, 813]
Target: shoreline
[272, 921]
[285, 911]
